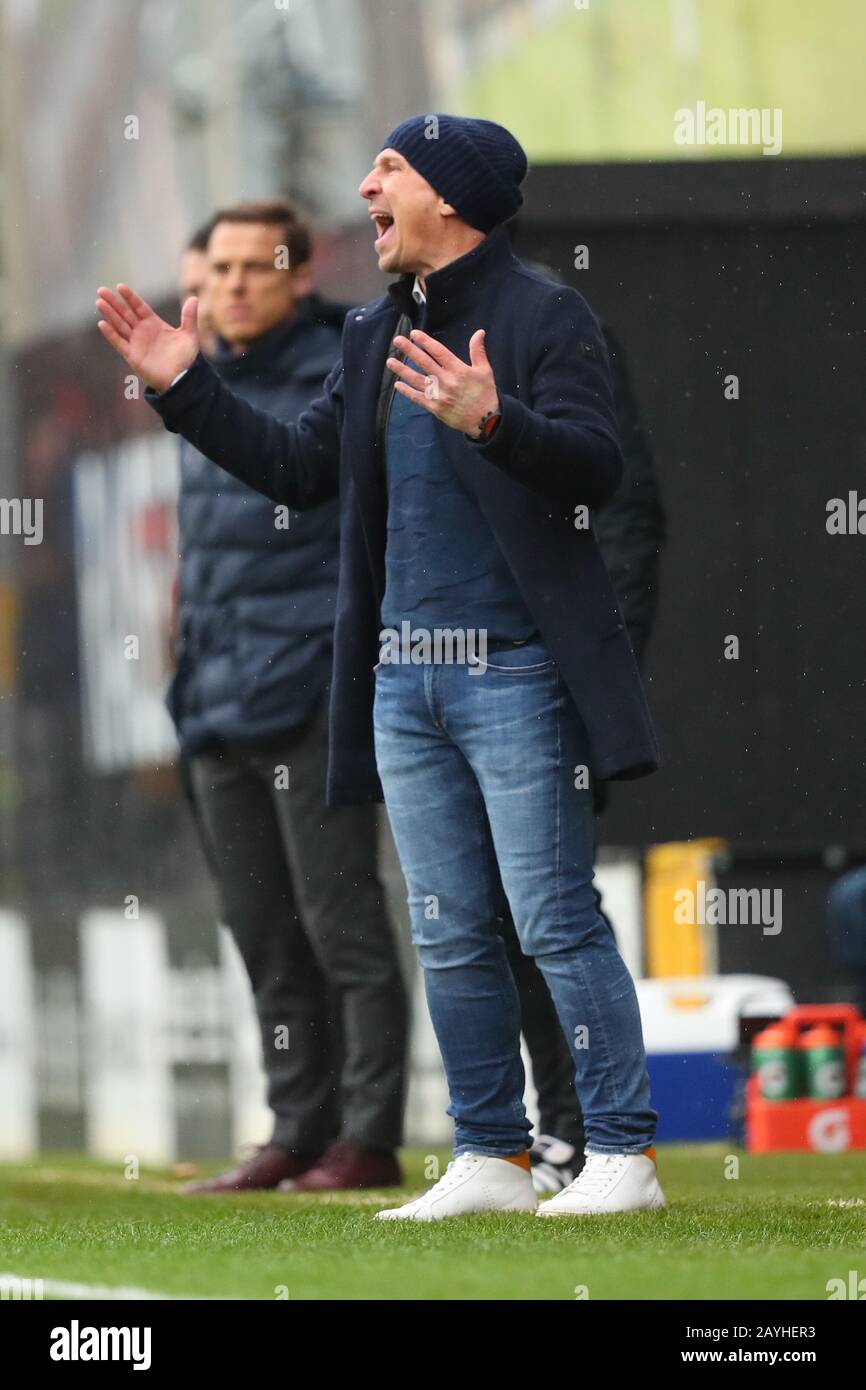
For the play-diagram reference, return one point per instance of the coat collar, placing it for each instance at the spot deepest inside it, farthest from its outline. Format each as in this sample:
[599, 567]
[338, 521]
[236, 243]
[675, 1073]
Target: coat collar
[454, 286]
[269, 350]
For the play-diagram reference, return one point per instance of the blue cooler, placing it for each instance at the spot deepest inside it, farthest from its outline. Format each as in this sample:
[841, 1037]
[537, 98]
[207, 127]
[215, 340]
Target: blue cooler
[692, 1031]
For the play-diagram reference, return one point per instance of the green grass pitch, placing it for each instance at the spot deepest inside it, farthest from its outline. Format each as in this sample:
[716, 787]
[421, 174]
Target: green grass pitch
[780, 1230]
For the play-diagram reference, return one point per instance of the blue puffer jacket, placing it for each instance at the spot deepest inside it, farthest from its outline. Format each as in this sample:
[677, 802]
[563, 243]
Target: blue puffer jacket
[256, 603]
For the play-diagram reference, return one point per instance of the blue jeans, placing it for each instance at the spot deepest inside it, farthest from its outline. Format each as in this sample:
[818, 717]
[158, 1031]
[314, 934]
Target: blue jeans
[481, 770]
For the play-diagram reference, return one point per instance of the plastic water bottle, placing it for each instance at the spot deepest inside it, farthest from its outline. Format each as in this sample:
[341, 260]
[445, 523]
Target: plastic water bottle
[776, 1062]
[824, 1057]
[860, 1072]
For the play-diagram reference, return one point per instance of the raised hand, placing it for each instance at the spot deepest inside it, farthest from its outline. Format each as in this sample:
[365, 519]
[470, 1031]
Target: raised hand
[154, 350]
[461, 394]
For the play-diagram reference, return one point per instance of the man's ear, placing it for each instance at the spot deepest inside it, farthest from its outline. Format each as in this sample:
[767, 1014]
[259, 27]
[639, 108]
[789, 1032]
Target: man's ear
[446, 210]
[303, 279]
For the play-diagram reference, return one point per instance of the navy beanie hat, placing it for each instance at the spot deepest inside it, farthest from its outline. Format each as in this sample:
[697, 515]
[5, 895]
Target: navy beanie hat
[476, 166]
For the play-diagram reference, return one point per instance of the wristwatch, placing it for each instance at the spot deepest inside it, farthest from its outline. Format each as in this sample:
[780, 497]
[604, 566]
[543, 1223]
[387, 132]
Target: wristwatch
[487, 426]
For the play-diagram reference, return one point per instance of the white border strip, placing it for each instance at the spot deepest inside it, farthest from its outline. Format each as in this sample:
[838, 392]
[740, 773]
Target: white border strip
[59, 1288]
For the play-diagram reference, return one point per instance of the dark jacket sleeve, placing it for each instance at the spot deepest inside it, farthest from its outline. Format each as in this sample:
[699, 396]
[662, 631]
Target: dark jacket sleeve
[565, 446]
[630, 528]
[296, 464]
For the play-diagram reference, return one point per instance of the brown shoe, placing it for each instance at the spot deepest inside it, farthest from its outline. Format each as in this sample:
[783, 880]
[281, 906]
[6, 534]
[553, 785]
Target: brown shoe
[267, 1168]
[347, 1165]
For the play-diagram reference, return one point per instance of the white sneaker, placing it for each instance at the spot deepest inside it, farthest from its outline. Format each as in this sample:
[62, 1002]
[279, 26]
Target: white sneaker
[471, 1182]
[609, 1182]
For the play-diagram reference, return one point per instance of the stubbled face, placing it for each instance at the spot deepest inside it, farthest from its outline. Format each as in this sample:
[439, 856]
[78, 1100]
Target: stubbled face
[248, 290]
[193, 280]
[408, 214]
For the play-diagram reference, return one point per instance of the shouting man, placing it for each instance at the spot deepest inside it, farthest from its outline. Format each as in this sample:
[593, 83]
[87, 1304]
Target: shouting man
[469, 431]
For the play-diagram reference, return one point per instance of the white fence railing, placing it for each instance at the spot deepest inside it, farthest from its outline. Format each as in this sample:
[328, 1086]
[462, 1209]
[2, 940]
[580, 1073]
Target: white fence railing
[106, 1042]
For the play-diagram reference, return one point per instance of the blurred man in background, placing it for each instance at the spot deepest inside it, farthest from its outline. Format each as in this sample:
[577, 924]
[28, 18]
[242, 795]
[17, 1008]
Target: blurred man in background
[846, 917]
[193, 279]
[298, 880]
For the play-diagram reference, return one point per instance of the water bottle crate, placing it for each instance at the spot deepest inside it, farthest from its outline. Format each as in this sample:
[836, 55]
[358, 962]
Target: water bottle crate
[816, 1126]
[809, 1123]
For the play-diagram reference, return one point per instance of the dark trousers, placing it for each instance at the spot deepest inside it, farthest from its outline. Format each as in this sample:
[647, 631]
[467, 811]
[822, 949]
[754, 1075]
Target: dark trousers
[301, 895]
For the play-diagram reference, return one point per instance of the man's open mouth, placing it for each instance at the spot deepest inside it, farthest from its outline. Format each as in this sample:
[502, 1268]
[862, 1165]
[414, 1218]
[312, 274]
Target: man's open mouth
[384, 222]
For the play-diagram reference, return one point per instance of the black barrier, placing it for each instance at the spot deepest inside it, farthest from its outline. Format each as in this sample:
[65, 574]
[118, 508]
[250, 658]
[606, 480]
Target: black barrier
[758, 269]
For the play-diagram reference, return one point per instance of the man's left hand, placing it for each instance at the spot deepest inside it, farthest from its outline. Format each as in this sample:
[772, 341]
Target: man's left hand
[458, 393]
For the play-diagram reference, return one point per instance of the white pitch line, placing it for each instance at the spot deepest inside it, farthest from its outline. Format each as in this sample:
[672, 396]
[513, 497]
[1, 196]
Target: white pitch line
[60, 1288]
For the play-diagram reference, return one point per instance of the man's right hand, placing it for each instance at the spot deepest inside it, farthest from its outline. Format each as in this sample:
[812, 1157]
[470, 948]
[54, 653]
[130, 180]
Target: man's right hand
[154, 350]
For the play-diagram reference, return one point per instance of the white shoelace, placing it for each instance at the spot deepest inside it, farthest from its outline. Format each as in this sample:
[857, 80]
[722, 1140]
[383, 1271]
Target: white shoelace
[454, 1173]
[598, 1174]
